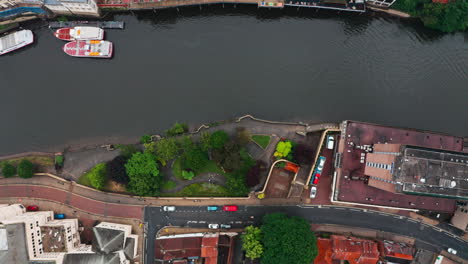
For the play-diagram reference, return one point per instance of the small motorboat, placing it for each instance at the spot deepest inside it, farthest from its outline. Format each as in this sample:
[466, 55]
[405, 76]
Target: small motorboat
[15, 41]
[89, 48]
[80, 33]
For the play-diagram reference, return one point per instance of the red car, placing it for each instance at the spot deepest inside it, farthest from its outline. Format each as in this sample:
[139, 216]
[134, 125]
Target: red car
[317, 178]
[230, 208]
[32, 208]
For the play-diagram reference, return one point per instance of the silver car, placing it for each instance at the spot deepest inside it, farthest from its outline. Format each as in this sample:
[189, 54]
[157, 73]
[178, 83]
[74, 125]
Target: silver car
[170, 208]
[313, 192]
[213, 226]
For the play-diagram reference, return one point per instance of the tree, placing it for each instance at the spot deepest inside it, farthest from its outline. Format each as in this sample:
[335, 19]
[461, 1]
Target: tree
[242, 136]
[283, 149]
[167, 149]
[176, 129]
[253, 175]
[8, 170]
[145, 139]
[205, 141]
[25, 169]
[142, 170]
[194, 158]
[115, 170]
[127, 150]
[303, 154]
[218, 139]
[97, 176]
[251, 242]
[287, 240]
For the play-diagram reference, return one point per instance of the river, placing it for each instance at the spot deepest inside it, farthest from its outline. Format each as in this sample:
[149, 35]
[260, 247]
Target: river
[217, 63]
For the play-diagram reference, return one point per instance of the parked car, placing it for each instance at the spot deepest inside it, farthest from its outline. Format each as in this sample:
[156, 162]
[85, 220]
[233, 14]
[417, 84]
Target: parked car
[452, 251]
[170, 208]
[318, 170]
[213, 226]
[330, 142]
[225, 226]
[59, 216]
[313, 192]
[230, 208]
[212, 208]
[32, 208]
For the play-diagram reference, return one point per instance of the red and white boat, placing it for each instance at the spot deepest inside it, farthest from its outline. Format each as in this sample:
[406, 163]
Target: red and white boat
[80, 33]
[89, 48]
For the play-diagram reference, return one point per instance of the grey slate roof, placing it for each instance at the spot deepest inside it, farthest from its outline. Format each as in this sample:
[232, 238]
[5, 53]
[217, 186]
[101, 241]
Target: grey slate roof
[129, 248]
[17, 250]
[78, 258]
[107, 240]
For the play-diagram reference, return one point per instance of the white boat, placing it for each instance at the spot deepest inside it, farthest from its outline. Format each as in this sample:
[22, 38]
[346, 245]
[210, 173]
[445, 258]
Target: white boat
[80, 33]
[15, 41]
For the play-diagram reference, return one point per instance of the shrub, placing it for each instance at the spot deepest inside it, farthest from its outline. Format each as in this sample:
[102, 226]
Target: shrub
[115, 170]
[188, 175]
[145, 139]
[59, 160]
[218, 139]
[177, 129]
[8, 170]
[127, 150]
[97, 176]
[205, 139]
[251, 242]
[25, 169]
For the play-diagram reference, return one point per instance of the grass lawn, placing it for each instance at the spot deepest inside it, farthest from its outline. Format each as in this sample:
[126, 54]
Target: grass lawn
[261, 140]
[211, 166]
[200, 190]
[169, 185]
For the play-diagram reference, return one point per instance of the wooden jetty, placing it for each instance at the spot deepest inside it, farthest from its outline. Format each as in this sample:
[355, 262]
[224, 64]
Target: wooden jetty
[100, 24]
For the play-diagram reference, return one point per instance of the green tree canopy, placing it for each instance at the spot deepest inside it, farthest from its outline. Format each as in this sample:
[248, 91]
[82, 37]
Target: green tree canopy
[145, 139]
[205, 141]
[283, 149]
[194, 158]
[142, 170]
[287, 240]
[8, 170]
[176, 129]
[97, 176]
[127, 150]
[167, 149]
[25, 169]
[218, 139]
[251, 242]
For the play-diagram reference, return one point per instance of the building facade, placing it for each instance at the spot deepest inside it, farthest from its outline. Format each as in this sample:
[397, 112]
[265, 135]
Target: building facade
[73, 7]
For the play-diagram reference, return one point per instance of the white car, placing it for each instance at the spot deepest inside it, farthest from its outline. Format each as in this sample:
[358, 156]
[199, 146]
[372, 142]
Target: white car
[313, 192]
[213, 226]
[169, 208]
[225, 226]
[452, 251]
[330, 142]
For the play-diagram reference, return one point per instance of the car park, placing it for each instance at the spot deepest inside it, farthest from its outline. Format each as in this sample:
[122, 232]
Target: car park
[212, 208]
[313, 192]
[169, 208]
[59, 216]
[230, 208]
[330, 142]
[32, 208]
[225, 226]
[213, 226]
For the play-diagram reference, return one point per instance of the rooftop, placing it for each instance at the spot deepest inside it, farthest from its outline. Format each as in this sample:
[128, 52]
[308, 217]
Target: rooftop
[16, 242]
[352, 184]
[354, 250]
[53, 238]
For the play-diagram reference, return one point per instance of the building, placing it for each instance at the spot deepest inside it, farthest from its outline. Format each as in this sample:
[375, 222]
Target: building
[10, 9]
[419, 171]
[38, 237]
[398, 253]
[353, 250]
[355, 178]
[72, 7]
[207, 248]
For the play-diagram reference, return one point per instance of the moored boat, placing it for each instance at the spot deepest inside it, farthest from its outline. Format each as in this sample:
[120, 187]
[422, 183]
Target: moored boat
[79, 33]
[15, 41]
[89, 48]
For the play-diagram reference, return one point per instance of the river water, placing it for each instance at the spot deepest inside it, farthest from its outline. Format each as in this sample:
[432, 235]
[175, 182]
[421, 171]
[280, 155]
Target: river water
[216, 63]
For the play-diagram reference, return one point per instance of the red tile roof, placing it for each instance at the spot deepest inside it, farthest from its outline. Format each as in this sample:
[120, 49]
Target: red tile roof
[354, 250]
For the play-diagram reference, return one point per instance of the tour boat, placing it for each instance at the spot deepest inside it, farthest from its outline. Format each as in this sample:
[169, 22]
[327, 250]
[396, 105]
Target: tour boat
[15, 41]
[89, 48]
[79, 33]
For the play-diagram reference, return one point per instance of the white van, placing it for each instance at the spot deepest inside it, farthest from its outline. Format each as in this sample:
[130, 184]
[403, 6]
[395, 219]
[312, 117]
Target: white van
[330, 142]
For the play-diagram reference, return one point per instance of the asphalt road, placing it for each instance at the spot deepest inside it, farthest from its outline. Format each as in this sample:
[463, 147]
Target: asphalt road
[428, 237]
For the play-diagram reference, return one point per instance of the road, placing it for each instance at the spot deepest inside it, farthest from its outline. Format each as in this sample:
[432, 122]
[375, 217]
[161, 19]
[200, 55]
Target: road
[428, 237]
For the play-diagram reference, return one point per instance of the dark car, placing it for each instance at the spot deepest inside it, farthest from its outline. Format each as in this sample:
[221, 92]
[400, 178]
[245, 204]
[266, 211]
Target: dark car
[32, 208]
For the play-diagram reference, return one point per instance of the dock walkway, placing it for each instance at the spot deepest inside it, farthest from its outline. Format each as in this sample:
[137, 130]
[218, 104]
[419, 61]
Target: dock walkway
[100, 24]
